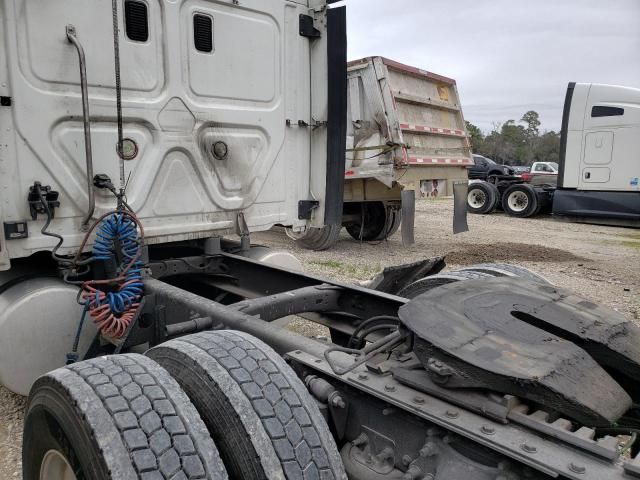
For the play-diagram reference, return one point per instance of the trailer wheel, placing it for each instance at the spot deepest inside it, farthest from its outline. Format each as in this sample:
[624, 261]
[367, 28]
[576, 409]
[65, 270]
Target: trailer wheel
[120, 417]
[379, 221]
[319, 239]
[520, 200]
[506, 270]
[429, 283]
[258, 412]
[482, 198]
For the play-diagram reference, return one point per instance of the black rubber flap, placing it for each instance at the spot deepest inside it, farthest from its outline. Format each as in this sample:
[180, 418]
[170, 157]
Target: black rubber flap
[460, 192]
[530, 340]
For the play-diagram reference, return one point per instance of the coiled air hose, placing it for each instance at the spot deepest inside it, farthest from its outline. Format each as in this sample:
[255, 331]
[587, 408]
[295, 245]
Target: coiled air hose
[113, 303]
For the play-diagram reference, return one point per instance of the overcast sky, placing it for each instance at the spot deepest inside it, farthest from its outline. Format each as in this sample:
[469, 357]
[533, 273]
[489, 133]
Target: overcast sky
[507, 56]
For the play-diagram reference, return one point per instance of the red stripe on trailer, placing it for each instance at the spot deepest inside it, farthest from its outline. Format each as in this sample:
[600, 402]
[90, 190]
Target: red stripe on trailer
[439, 161]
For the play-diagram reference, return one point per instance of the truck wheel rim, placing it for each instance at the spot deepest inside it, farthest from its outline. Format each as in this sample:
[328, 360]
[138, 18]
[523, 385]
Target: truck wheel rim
[477, 198]
[518, 201]
[56, 467]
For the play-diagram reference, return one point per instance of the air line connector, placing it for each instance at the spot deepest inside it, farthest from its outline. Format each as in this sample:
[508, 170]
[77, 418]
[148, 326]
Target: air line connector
[103, 181]
[38, 193]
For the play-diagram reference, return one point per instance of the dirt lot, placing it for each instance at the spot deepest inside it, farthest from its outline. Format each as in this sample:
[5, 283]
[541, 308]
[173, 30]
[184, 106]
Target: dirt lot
[601, 263]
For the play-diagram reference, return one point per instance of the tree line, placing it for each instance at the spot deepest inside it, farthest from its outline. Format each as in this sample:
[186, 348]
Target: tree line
[516, 143]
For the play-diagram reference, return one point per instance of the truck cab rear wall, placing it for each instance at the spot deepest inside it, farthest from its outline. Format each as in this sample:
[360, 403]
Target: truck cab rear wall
[202, 150]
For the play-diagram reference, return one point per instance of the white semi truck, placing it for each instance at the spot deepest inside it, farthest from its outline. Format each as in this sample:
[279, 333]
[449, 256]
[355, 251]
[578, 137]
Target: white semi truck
[598, 179]
[134, 135]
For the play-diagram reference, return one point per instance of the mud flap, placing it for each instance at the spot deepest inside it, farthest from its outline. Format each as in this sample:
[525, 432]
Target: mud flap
[337, 115]
[460, 190]
[408, 198]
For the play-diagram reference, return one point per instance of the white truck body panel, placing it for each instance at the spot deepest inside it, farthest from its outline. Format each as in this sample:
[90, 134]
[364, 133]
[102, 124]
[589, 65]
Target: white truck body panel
[177, 102]
[603, 139]
[400, 117]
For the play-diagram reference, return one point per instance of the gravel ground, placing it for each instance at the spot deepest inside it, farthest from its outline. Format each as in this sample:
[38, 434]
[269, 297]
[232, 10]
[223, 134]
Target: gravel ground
[11, 418]
[597, 262]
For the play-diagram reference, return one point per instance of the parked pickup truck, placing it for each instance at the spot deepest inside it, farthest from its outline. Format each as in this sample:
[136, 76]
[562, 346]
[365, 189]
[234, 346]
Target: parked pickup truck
[540, 168]
[484, 167]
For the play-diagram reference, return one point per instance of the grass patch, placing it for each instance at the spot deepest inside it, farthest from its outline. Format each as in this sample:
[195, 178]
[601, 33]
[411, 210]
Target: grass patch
[329, 264]
[631, 244]
[359, 272]
[629, 240]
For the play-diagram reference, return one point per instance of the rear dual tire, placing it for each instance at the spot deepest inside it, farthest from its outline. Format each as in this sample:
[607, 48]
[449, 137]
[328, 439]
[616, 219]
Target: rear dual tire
[124, 417]
[377, 221]
[115, 418]
[260, 415]
[482, 198]
[483, 271]
[319, 239]
[507, 270]
[521, 200]
[429, 283]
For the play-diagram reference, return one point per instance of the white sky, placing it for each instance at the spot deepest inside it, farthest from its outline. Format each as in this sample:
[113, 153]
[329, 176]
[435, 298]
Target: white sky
[507, 56]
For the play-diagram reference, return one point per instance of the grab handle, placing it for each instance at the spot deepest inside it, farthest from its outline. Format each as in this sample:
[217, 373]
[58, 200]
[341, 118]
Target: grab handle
[72, 37]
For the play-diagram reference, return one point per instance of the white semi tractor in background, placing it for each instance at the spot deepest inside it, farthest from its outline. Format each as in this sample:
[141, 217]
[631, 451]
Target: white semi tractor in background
[121, 172]
[598, 179]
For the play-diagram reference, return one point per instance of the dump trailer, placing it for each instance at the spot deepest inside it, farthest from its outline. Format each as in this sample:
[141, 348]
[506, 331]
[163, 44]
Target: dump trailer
[145, 337]
[599, 174]
[406, 137]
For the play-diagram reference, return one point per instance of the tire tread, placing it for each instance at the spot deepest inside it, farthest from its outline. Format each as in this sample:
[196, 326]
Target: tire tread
[157, 425]
[289, 419]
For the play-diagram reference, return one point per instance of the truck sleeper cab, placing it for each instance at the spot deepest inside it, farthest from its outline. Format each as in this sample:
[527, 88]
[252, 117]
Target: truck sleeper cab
[599, 170]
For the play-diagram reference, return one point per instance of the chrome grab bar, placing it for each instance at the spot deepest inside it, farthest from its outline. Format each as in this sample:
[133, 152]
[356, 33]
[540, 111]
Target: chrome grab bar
[72, 37]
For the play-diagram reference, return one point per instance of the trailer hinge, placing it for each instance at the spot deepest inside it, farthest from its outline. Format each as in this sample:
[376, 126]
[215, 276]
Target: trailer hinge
[5, 101]
[306, 208]
[307, 28]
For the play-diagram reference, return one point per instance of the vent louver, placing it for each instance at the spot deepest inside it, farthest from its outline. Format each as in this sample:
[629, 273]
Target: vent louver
[203, 33]
[136, 21]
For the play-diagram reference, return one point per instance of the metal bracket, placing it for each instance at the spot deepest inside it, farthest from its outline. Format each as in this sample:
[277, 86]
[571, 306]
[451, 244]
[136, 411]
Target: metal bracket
[306, 208]
[303, 124]
[5, 101]
[307, 28]
[242, 230]
[551, 458]
[36, 206]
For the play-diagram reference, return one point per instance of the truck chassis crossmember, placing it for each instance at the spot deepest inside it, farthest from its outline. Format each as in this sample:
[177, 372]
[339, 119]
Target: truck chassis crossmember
[388, 424]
